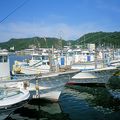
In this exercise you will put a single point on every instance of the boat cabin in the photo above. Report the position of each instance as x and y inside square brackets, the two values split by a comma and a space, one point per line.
[4, 66]
[41, 59]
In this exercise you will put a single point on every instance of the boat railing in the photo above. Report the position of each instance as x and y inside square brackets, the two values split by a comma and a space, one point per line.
[36, 63]
[5, 78]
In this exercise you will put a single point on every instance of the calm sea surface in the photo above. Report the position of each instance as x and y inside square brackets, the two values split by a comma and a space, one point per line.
[75, 103]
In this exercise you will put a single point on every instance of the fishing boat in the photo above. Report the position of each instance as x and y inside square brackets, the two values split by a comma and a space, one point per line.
[39, 63]
[101, 70]
[50, 86]
[15, 91]
[85, 60]
[93, 76]
[115, 63]
[11, 93]
[45, 83]
[12, 97]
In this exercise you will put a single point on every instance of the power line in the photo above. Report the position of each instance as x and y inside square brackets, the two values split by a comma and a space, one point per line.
[14, 11]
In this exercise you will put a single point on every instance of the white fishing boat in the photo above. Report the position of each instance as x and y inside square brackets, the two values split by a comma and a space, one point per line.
[14, 88]
[11, 93]
[85, 60]
[83, 66]
[94, 76]
[98, 71]
[10, 97]
[50, 84]
[115, 63]
[39, 63]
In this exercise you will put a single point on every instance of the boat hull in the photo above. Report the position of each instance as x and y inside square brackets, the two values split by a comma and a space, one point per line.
[94, 76]
[14, 100]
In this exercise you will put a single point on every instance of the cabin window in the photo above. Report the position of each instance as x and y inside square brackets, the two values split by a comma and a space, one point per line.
[45, 58]
[70, 54]
[5, 58]
[44, 63]
[92, 54]
[36, 58]
[1, 58]
[64, 54]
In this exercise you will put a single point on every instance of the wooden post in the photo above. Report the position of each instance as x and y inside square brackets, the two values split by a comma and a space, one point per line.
[37, 89]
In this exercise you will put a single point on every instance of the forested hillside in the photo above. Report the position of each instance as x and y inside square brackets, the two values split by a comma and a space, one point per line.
[25, 43]
[99, 38]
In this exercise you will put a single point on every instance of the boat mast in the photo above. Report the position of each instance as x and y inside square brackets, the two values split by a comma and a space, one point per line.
[95, 57]
[49, 55]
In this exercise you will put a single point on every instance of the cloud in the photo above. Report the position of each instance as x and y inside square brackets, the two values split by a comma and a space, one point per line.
[25, 29]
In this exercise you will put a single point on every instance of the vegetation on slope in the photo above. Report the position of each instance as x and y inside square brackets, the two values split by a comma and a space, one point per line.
[111, 39]
[24, 43]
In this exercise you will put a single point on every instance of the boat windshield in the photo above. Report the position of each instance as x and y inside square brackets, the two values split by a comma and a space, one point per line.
[8, 93]
[45, 58]
[70, 54]
[37, 58]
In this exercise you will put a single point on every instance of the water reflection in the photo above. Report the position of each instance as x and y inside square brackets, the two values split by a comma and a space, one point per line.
[90, 102]
[5, 112]
[76, 103]
[98, 96]
[39, 110]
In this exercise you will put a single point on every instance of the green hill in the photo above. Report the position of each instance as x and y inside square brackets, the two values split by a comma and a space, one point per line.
[24, 43]
[99, 38]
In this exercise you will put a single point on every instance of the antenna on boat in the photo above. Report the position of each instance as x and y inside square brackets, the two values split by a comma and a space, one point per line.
[45, 41]
[84, 42]
[49, 54]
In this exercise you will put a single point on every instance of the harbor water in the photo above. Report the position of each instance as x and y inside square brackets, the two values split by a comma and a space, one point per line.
[75, 103]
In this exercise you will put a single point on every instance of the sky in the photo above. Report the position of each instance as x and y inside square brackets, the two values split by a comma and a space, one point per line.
[69, 19]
